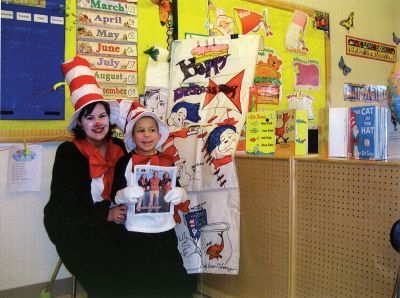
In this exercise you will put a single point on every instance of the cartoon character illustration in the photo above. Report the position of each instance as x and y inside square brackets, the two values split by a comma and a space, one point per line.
[214, 251]
[354, 131]
[275, 63]
[250, 21]
[215, 243]
[185, 173]
[219, 149]
[151, 99]
[184, 114]
[166, 18]
[268, 78]
[218, 22]
[294, 38]
[280, 131]
[221, 142]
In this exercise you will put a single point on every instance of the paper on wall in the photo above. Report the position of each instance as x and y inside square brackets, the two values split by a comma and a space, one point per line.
[25, 168]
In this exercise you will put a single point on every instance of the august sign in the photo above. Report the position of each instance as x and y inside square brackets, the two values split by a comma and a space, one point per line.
[370, 49]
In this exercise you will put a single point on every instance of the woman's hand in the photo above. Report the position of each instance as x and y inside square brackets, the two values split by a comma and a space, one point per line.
[117, 214]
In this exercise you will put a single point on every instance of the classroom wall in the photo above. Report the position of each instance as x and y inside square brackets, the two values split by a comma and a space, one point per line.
[373, 20]
[26, 254]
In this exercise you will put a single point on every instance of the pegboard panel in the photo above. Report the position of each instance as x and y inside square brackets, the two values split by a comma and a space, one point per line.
[264, 233]
[343, 213]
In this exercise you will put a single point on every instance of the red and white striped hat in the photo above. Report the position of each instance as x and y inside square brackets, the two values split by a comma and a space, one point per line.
[352, 120]
[84, 88]
[130, 113]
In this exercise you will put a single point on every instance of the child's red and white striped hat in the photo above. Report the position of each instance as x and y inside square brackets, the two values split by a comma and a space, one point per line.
[131, 112]
[84, 88]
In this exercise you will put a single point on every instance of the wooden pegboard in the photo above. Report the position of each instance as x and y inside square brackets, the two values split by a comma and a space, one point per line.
[343, 213]
[264, 233]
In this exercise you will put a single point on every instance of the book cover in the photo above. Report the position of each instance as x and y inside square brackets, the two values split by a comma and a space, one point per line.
[253, 102]
[260, 133]
[291, 132]
[367, 133]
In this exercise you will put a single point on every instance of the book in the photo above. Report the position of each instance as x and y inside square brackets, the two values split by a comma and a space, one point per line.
[291, 132]
[393, 130]
[252, 107]
[338, 134]
[260, 133]
[367, 133]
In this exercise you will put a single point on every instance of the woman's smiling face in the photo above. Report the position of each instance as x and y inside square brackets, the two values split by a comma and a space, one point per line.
[95, 124]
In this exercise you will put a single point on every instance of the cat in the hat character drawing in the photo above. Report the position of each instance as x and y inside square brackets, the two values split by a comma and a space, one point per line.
[354, 133]
[220, 147]
[184, 114]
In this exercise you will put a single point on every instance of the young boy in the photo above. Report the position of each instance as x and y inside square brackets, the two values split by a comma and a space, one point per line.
[154, 257]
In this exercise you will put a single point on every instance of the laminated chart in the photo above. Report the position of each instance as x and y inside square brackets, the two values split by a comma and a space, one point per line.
[32, 42]
[107, 37]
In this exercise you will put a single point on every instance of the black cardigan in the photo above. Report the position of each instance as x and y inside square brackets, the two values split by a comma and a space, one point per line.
[70, 216]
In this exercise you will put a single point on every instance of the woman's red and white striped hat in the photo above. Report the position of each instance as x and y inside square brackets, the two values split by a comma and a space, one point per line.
[84, 88]
[131, 112]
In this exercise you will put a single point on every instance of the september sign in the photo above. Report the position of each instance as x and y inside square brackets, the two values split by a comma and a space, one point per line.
[370, 49]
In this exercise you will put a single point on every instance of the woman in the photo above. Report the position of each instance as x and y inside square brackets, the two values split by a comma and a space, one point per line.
[79, 217]
[166, 186]
[142, 182]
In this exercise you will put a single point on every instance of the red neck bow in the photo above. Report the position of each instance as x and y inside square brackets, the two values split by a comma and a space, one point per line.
[100, 165]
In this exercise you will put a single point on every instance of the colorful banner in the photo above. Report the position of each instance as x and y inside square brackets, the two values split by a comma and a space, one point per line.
[370, 49]
[207, 104]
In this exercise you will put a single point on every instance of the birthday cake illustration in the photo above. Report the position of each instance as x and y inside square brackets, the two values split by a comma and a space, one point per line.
[208, 52]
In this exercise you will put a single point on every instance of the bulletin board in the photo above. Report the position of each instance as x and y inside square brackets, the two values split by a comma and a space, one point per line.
[151, 31]
[32, 38]
[274, 21]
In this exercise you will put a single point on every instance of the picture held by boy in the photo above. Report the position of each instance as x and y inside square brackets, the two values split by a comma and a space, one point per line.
[159, 270]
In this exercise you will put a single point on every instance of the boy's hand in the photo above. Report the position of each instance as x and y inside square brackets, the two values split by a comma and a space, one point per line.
[176, 196]
[129, 195]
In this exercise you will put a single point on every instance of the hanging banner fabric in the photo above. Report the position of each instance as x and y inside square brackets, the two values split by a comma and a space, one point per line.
[207, 105]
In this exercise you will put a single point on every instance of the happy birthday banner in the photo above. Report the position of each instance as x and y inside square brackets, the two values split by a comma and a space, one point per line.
[208, 101]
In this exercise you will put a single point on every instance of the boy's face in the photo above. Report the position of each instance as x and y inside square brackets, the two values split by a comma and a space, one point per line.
[145, 135]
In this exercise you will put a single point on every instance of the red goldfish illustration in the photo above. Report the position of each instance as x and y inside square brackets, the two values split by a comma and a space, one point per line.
[214, 250]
